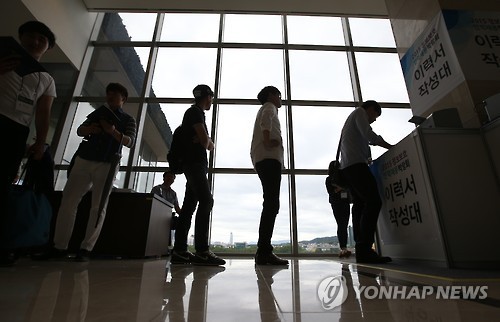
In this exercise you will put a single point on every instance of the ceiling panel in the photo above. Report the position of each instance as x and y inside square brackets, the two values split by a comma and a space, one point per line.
[337, 7]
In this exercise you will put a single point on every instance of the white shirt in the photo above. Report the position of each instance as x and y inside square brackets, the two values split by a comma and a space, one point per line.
[267, 119]
[357, 134]
[30, 87]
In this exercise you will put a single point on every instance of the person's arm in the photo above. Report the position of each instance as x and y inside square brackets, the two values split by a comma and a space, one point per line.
[42, 122]
[384, 144]
[372, 137]
[202, 137]
[88, 128]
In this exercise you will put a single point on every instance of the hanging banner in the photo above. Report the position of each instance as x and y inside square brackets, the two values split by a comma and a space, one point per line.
[475, 35]
[430, 67]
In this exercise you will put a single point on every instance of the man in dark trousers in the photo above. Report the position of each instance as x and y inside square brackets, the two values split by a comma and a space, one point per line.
[355, 153]
[267, 155]
[195, 168]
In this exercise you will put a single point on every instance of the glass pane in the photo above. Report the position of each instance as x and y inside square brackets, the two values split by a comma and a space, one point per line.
[127, 27]
[320, 75]
[234, 135]
[156, 137]
[393, 126]
[179, 70]
[371, 32]
[245, 72]
[381, 77]
[314, 149]
[253, 29]
[236, 213]
[315, 30]
[190, 27]
[315, 216]
[124, 65]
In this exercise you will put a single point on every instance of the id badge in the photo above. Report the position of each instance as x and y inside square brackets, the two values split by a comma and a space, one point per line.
[24, 103]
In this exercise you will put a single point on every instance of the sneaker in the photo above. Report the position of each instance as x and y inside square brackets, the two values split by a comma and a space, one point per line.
[82, 255]
[269, 259]
[207, 258]
[345, 253]
[371, 257]
[50, 253]
[185, 257]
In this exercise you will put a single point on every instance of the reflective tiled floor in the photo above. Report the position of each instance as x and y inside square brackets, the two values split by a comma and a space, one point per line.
[154, 290]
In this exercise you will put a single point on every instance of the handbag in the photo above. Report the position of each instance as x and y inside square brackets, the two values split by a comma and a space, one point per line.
[27, 220]
[334, 171]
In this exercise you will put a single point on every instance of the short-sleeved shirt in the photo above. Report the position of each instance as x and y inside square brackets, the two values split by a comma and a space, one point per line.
[166, 193]
[266, 119]
[29, 87]
[195, 152]
[357, 134]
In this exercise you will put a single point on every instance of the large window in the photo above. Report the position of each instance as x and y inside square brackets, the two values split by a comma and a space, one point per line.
[160, 57]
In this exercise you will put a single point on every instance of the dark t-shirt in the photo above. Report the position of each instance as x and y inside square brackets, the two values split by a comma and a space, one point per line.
[195, 153]
[101, 147]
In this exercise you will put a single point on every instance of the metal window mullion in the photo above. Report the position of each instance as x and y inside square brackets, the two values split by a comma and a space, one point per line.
[71, 112]
[351, 60]
[215, 107]
[141, 114]
[292, 192]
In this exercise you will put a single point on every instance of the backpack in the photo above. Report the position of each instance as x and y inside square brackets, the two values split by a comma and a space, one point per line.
[175, 156]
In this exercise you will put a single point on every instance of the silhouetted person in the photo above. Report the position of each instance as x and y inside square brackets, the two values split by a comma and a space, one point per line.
[357, 135]
[267, 158]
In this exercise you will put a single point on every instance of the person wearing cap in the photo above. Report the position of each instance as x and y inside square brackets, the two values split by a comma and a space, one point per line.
[195, 168]
[355, 156]
[267, 156]
[22, 97]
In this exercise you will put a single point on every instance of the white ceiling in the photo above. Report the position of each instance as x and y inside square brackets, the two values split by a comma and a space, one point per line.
[337, 7]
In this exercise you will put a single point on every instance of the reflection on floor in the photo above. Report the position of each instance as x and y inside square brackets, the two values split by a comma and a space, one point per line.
[308, 290]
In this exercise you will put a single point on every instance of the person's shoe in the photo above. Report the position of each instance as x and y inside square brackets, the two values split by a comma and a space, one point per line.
[371, 257]
[50, 253]
[185, 257]
[207, 258]
[345, 253]
[82, 255]
[269, 259]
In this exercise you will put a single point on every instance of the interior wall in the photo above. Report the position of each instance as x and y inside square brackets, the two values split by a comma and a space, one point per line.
[69, 20]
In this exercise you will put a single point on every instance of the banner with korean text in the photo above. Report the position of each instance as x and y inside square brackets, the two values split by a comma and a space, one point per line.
[407, 225]
[475, 35]
[430, 67]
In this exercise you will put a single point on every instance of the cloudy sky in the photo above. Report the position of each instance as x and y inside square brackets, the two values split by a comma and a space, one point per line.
[314, 75]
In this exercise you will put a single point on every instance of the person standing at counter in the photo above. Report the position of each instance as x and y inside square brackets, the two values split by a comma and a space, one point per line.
[165, 190]
[355, 156]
